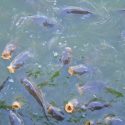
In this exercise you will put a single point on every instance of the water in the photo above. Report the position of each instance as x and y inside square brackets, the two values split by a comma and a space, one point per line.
[97, 41]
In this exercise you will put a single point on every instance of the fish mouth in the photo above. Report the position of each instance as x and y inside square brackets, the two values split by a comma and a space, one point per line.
[11, 69]
[69, 107]
[71, 71]
[16, 105]
[6, 55]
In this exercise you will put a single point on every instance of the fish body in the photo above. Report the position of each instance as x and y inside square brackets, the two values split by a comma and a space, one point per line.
[78, 70]
[44, 21]
[15, 119]
[56, 113]
[96, 105]
[4, 83]
[75, 10]
[40, 20]
[109, 120]
[8, 50]
[66, 56]
[92, 88]
[19, 61]
[36, 93]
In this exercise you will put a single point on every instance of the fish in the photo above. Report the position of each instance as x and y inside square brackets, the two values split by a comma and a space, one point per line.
[83, 88]
[43, 21]
[8, 50]
[56, 113]
[19, 61]
[66, 56]
[89, 122]
[93, 87]
[95, 105]
[15, 119]
[36, 93]
[78, 70]
[113, 120]
[75, 10]
[4, 83]
[71, 106]
[40, 20]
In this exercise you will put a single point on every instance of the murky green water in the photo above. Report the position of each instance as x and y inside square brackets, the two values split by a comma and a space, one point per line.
[97, 41]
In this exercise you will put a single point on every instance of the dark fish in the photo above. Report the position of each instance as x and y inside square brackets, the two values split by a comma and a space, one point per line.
[4, 83]
[36, 93]
[122, 10]
[75, 10]
[15, 119]
[40, 20]
[113, 120]
[56, 113]
[78, 70]
[92, 88]
[19, 61]
[43, 21]
[96, 105]
[8, 50]
[66, 56]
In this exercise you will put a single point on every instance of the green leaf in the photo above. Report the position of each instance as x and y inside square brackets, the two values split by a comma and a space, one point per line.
[44, 84]
[56, 74]
[114, 92]
[3, 105]
[34, 73]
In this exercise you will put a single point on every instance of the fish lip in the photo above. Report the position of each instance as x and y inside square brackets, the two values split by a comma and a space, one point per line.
[6, 55]
[11, 69]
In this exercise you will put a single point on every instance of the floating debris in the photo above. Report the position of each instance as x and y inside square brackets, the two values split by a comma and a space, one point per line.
[16, 105]
[36, 93]
[19, 61]
[66, 56]
[11, 80]
[71, 106]
[75, 10]
[15, 119]
[55, 54]
[78, 70]
[8, 50]
[56, 113]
